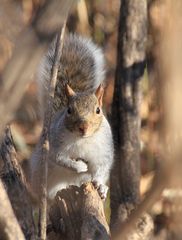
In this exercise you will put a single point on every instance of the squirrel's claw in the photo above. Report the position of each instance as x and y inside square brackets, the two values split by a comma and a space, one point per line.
[101, 188]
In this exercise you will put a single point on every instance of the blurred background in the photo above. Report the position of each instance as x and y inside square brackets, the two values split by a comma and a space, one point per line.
[97, 19]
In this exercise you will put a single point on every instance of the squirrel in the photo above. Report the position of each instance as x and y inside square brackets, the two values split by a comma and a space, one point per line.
[81, 144]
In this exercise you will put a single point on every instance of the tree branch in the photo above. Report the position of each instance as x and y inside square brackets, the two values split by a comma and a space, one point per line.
[16, 186]
[45, 134]
[9, 227]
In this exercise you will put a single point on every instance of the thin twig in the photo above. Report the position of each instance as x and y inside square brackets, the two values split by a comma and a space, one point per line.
[58, 51]
[45, 135]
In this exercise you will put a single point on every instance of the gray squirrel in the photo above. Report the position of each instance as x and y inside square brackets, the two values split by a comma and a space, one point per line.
[81, 144]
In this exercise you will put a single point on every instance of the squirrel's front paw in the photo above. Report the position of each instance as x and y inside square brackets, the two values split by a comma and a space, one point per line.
[101, 188]
[81, 166]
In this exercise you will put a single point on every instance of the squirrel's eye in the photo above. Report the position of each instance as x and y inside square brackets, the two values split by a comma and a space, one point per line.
[98, 110]
[69, 110]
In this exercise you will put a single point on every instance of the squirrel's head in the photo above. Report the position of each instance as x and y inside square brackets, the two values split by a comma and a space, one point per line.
[84, 111]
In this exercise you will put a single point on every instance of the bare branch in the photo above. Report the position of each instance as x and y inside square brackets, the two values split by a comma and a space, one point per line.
[58, 51]
[15, 182]
[45, 136]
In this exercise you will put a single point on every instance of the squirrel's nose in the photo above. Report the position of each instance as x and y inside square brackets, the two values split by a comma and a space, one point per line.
[83, 128]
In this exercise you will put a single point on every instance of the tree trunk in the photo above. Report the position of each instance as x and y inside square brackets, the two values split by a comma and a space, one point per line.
[125, 177]
[77, 213]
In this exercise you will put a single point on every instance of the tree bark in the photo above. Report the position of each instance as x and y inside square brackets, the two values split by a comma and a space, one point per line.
[16, 186]
[9, 227]
[78, 213]
[45, 134]
[125, 177]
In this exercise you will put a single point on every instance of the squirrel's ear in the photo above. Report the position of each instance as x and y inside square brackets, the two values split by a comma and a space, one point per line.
[69, 91]
[99, 94]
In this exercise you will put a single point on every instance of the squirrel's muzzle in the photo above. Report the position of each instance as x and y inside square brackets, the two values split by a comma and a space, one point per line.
[83, 127]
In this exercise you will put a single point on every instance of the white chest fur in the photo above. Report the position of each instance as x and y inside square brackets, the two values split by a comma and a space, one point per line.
[91, 149]
[96, 150]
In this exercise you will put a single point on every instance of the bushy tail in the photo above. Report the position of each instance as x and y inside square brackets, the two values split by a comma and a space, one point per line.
[81, 66]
